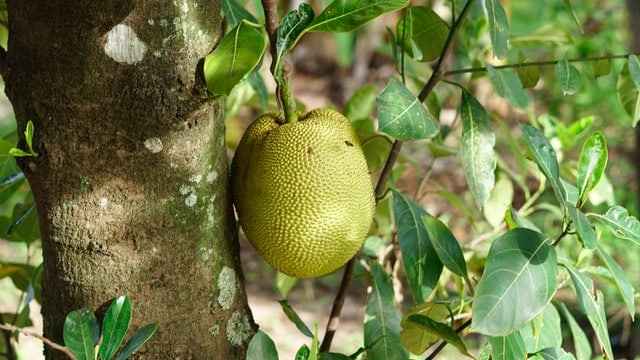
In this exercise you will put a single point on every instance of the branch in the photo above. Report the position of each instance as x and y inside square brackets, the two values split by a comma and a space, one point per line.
[436, 76]
[271, 20]
[48, 342]
[537, 63]
[444, 343]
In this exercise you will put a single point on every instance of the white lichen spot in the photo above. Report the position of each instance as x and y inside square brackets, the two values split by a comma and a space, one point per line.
[226, 287]
[238, 329]
[212, 176]
[191, 200]
[214, 330]
[154, 145]
[151, 22]
[196, 178]
[103, 203]
[124, 46]
[186, 189]
[154, 249]
[157, 53]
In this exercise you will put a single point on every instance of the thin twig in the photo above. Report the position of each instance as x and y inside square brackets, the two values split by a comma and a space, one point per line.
[536, 63]
[443, 343]
[380, 190]
[47, 342]
[271, 20]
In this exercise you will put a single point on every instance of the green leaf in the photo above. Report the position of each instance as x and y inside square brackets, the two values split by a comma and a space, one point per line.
[552, 354]
[513, 220]
[137, 340]
[445, 245]
[634, 70]
[114, 327]
[421, 262]
[573, 14]
[519, 280]
[510, 347]
[28, 136]
[284, 283]
[583, 227]
[290, 29]
[443, 331]
[620, 278]
[402, 116]
[81, 334]
[591, 307]
[568, 77]
[303, 353]
[261, 347]
[238, 53]
[545, 156]
[592, 163]
[382, 322]
[507, 84]
[580, 341]
[601, 68]
[547, 335]
[334, 356]
[529, 76]
[362, 103]
[295, 319]
[478, 155]
[348, 15]
[257, 83]
[413, 337]
[623, 225]
[234, 13]
[375, 149]
[425, 33]
[498, 27]
[629, 95]
[499, 201]
[15, 152]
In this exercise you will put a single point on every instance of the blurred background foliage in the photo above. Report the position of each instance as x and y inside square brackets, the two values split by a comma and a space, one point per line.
[347, 71]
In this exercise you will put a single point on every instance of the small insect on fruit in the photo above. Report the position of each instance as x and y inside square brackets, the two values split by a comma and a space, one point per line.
[303, 192]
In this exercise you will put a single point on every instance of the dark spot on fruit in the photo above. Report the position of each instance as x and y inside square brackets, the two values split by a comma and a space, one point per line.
[309, 151]
[348, 143]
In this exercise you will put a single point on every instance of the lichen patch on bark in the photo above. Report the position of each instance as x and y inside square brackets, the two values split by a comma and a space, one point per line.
[124, 46]
[227, 285]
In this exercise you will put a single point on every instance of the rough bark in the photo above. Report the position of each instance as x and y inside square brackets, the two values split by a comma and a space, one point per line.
[131, 178]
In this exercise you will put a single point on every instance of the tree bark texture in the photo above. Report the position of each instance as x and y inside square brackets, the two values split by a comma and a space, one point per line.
[131, 178]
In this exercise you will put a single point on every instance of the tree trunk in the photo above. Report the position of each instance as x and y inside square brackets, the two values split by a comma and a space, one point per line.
[131, 178]
[633, 10]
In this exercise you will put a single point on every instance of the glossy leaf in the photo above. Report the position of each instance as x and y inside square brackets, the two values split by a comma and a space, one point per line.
[580, 341]
[623, 225]
[425, 33]
[548, 334]
[545, 156]
[507, 84]
[498, 27]
[290, 29]
[421, 262]
[499, 201]
[634, 70]
[583, 227]
[445, 245]
[382, 322]
[295, 318]
[362, 103]
[629, 95]
[303, 353]
[114, 327]
[81, 334]
[592, 163]
[510, 347]
[238, 53]
[137, 341]
[568, 77]
[591, 307]
[348, 15]
[334, 356]
[261, 347]
[519, 280]
[402, 116]
[443, 331]
[620, 278]
[478, 155]
[234, 13]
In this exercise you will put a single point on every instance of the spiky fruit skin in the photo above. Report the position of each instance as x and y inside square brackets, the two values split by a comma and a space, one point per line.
[303, 192]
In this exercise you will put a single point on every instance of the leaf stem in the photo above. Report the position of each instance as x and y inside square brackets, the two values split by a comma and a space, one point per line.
[436, 76]
[51, 344]
[536, 63]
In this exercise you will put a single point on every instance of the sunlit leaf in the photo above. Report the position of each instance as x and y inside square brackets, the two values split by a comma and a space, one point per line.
[443, 331]
[234, 13]
[413, 337]
[545, 156]
[238, 53]
[81, 333]
[114, 327]
[362, 103]
[592, 163]
[348, 15]
[519, 280]
[621, 223]
[402, 115]
[478, 155]
[498, 27]
[499, 201]
[284, 283]
[291, 27]
[137, 341]
[629, 95]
